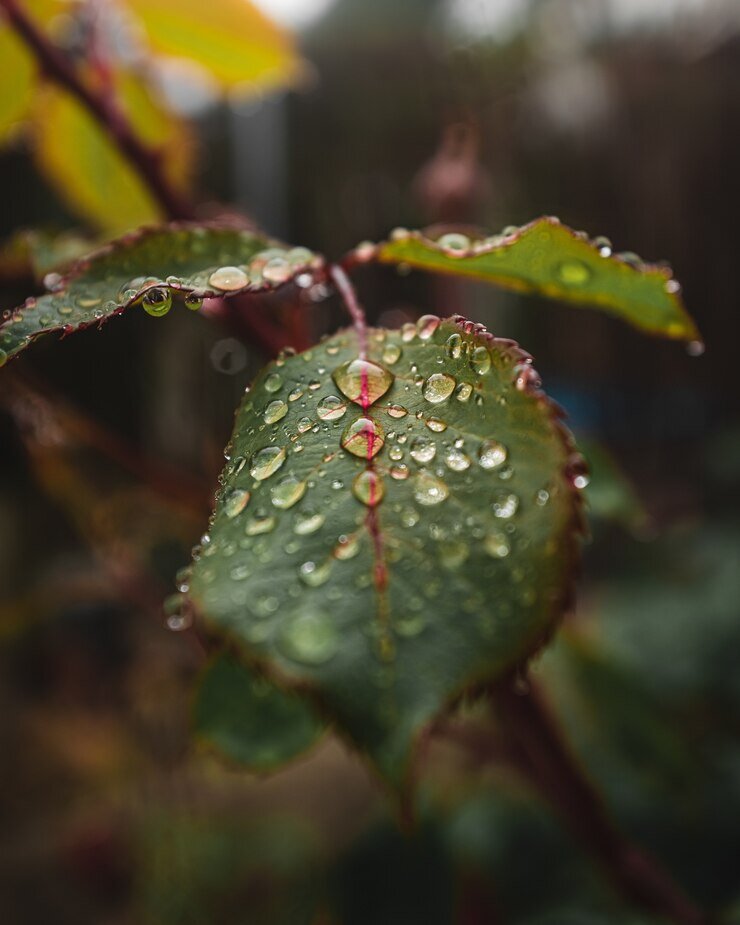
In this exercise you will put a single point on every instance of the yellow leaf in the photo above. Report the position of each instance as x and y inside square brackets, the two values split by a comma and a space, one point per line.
[86, 168]
[232, 39]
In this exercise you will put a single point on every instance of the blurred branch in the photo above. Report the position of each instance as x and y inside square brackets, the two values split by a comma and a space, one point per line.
[57, 67]
[536, 747]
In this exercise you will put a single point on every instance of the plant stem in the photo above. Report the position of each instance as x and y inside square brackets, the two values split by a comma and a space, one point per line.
[56, 66]
[544, 758]
[356, 312]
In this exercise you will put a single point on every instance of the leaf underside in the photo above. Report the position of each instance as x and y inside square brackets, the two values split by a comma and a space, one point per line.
[249, 720]
[177, 260]
[551, 259]
[382, 587]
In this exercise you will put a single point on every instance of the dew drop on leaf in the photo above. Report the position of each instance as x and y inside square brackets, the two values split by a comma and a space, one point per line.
[307, 522]
[497, 545]
[429, 490]
[368, 488]
[480, 360]
[399, 472]
[315, 575]
[331, 408]
[396, 411]
[287, 492]
[491, 454]
[454, 242]
[228, 279]
[347, 547]
[273, 382]
[426, 326]
[259, 523]
[275, 411]
[456, 460]
[363, 438]
[505, 505]
[193, 302]
[463, 391]
[157, 302]
[573, 272]
[438, 388]
[362, 381]
[410, 625]
[423, 449]
[309, 638]
[236, 501]
[267, 461]
[391, 354]
[454, 346]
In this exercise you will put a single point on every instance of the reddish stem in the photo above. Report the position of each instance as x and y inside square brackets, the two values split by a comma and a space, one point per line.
[145, 160]
[541, 754]
[354, 309]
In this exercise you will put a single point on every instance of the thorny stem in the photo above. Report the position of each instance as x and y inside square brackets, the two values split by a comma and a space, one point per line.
[356, 312]
[540, 753]
[56, 66]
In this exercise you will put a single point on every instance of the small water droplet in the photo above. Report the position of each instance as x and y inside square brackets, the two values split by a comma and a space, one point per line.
[396, 411]
[505, 505]
[193, 302]
[228, 279]
[542, 497]
[456, 460]
[426, 326]
[391, 354]
[347, 547]
[463, 391]
[267, 461]
[573, 272]
[409, 626]
[438, 387]
[436, 425]
[399, 472]
[315, 575]
[363, 438]
[452, 553]
[480, 360]
[458, 243]
[296, 393]
[287, 492]
[362, 381]
[491, 454]
[307, 522]
[235, 502]
[368, 488]
[260, 523]
[273, 382]
[157, 302]
[423, 449]
[454, 346]
[580, 481]
[497, 545]
[331, 408]
[429, 490]
[309, 638]
[304, 425]
[275, 411]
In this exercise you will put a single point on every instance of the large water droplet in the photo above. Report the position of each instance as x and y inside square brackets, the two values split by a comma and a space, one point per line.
[480, 360]
[363, 438]
[438, 388]
[368, 488]
[391, 354]
[426, 326]
[423, 449]
[456, 460]
[362, 381]
[260, 523]
[157, 302]
[463, 391]
[277, 270]
[275, 411]
[331, 408]
[267, 461]
[429, 490]
[454, 346]
[287, 492]
[491, 453]
[273, 382]
[228, 279]
[235, 502]
[573, 272]
[309, 638]
[307, 522]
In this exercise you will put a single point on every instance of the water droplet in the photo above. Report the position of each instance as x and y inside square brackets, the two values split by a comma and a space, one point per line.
[331, 408]
[580, 481]
[438, 388]
[315, 575]
[368, 488]
[408, 332]
[304, 425]
[672, 286]
[497, 545]
[267, 461]
[193, 302]
[287, 492]
[573, 272]
[410, 625]
[491, 453]
[228, 279]
[236, 501]
[275, 411]
[423, 449]
[603, 244]
[396, 411]
[429, 490]
[399, 472]
[436, 425]
[362, 382]
[463, 391]
[480, 360]
[696, 348]
[426, 326]
[505, 505]
[542, 497]
[391, 354]
[363, 438]
[395, 453]
[296, 393]
[157, 302]
[458, 243]
[273, 382]
[454, 346]
[456, 460]
[259, 523]
[347, 547]
[309, 638]
[307, 522]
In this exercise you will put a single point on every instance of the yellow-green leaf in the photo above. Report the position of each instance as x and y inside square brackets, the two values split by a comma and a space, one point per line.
[232, 39]
[15, 86]
[555, 261]
[87, 169]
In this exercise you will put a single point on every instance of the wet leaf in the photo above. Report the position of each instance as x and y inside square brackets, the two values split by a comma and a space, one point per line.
[249, 720]
[552, 260]
[232, 39]
[152, 268]
[390, 531]
[86, 167]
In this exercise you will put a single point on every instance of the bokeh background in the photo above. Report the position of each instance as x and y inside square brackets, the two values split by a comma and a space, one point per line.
[622, 117]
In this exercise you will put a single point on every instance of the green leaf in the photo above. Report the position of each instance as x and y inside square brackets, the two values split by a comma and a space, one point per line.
[610, 494]
[384, 587]
[236, 43]
[15, 87]
[249, 720]
[85, 165]
[148, 268]
[552, 260]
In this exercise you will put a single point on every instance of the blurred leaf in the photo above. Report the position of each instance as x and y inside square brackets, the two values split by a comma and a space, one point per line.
[552, 260]
[384, 586]
[610, 494]
[85, 165]
[249, 720]
[232, 39]
[15, 87]
[148, 267]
